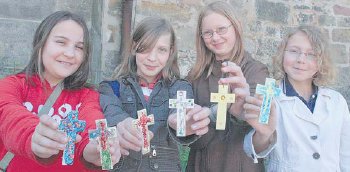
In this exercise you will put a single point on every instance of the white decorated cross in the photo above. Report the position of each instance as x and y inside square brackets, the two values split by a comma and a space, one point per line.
[181, 103]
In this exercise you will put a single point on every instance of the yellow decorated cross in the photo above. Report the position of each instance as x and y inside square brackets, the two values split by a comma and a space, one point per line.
[222, 98]
[269, 90]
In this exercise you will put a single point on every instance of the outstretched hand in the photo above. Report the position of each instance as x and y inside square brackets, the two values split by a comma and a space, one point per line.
[130, 138]
[92, 151]
[47, 140]
[251, 113]
[238, 85]
[197, 120]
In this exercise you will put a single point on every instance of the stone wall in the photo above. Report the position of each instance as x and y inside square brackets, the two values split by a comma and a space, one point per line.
[264, 23]
[20, 18]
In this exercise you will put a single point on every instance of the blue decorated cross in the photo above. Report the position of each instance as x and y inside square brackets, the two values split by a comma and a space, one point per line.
[269, 90]
[181, 103]
[102, 133]
[71, 126]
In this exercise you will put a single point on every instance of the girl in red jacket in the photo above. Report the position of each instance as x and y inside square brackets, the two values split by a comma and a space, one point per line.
[61, 54]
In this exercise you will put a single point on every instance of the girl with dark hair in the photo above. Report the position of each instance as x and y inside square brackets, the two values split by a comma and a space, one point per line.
[61, 56]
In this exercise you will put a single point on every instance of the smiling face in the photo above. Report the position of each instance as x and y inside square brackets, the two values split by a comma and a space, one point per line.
[299, 69]
[220, 44]
[152, 61]
[63, 51]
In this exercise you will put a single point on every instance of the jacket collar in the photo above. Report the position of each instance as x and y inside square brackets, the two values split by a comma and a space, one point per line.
[322, 107]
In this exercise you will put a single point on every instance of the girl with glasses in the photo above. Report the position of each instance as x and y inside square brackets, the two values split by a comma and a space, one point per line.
[310, 121]
[220, 52]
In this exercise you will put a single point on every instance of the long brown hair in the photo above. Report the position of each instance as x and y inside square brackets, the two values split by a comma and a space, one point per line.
[326, 70]
[145, 36]
[205, 57]
[79, 78]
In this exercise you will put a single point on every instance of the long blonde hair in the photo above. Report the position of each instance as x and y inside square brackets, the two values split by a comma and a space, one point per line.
[145, 36]
[205, 57]
[326, 70]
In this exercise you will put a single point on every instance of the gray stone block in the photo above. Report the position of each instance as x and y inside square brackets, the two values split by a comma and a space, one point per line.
[115, 8]
[341, 35]
[16, 42]
[318, 9]
[301, 7]
[305, 18]
[271, 31]
[343, 83]
[29, 9]
[112, 60]
[267, 47]
[325, 20]
[343, 22]
[338, 53]
[275, 12]
[345, 92]
[343, 77]
[81, 7]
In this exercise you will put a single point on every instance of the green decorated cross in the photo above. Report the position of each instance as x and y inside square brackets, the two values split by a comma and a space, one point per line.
[269, 90]
[102, 133]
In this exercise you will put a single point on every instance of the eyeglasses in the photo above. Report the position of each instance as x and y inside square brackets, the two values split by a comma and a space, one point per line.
[297, 54]
[220, 31]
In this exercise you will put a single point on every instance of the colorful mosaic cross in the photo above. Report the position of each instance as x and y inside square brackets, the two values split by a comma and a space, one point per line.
[269, 90]
[102, 133]
[71, 126]
[181, 103]
[222, 98]
[142, 123]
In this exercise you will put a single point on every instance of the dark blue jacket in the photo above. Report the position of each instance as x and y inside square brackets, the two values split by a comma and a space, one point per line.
[131, 99]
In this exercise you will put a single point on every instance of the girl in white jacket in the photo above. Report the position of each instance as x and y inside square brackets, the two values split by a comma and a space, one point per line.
[309, 123]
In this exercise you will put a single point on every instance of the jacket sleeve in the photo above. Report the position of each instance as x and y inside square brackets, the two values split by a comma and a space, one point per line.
[89, 111]
[250, 150]
[345, 137]
[111, 105]
[185, 86]
[249, 147]
[255, 73]
[17, 124]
